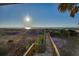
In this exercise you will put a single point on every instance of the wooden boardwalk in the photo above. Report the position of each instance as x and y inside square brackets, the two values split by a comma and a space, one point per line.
[51, 48]
[48, 50]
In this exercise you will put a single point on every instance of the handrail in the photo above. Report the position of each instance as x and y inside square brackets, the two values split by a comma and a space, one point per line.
[54, 46]
[30, 50]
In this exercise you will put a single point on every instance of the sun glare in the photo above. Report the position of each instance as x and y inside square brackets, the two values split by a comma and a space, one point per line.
[27, 28]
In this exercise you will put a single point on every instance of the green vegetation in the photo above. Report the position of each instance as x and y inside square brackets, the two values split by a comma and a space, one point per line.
[40, 40]
[58, 33]
[40, 44]
[64, 33]
[73, 33]
[2, 34]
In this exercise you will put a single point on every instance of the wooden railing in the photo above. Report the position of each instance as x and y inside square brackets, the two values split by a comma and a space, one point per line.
[55, 50]
[54, 47]
[30, 51]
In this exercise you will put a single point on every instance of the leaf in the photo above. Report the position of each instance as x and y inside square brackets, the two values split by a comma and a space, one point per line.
[63, 7]
[74, 11]
[70, 6]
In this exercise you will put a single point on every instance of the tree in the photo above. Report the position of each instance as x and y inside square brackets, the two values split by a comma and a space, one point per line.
[73, 8]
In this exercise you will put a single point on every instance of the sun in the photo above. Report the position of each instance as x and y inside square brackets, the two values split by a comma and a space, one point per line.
[27, 22]
[27, 19]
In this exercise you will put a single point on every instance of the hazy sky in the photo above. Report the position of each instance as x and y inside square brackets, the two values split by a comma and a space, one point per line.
[43, 15]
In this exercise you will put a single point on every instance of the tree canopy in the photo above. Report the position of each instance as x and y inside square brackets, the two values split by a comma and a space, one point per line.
[73, 8]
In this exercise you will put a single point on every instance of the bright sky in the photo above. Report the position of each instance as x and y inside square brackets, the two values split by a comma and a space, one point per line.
[42, 15]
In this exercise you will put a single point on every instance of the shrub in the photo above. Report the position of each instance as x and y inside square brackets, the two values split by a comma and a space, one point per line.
[39, 44]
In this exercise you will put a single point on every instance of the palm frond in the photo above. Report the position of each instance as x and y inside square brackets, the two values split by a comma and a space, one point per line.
[70, 6]
[74, 11]
[63, 7]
